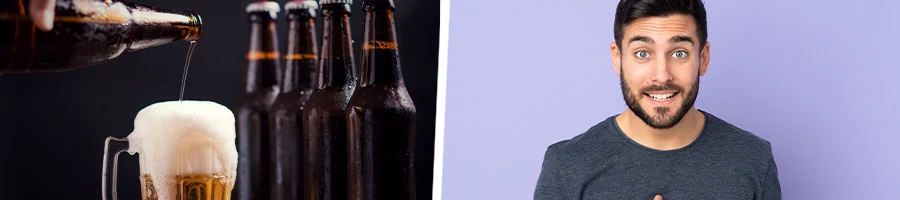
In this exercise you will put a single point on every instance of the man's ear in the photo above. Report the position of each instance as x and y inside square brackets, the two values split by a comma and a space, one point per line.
[704, 59]
[616, 58]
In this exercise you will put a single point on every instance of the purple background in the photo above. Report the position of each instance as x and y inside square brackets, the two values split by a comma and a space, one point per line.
[820, 80]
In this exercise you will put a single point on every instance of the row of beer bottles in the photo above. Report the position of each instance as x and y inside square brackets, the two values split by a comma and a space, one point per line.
[317, 129]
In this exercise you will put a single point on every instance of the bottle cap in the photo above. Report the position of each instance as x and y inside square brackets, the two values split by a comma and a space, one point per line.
[381, 4]
[263, 6]
[322, 2]
[301, 4]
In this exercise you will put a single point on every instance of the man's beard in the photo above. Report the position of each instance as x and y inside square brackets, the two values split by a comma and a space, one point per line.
[664, 118]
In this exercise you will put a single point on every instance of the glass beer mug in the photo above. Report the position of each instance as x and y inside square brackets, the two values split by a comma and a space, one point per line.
[187, 151]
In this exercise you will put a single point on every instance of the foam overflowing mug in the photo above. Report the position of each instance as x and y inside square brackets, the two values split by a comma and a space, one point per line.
[187, 151]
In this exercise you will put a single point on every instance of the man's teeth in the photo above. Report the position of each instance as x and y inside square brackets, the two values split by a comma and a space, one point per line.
[662, 96]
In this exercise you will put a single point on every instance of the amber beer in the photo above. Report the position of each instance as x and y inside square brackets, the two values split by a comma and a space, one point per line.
[381, 116]
[262, 77]
[87, 32]
[192, 187]
[297, 84]
[324, 117]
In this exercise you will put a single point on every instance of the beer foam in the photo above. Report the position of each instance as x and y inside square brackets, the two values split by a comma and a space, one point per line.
[183, 138]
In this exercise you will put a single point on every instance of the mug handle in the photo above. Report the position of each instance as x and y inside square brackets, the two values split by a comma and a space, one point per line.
[111, 150]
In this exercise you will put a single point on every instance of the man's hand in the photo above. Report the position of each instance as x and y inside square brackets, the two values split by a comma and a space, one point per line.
[42, 13]
[658, 197]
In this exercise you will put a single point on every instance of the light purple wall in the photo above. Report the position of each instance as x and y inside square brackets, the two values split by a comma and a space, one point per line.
[818, 79]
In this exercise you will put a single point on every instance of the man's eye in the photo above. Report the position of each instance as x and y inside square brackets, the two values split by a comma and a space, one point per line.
[642, 54]
[679, 54]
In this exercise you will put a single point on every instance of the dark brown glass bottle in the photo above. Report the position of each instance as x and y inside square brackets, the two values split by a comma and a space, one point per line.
[381, 116]
[87, 32]
[297, 84]
[324, 115]
[263, 74]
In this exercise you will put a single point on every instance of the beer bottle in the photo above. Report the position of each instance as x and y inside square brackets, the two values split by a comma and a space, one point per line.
[381, 116]
[87, 32]
[262, 78]
[297, 84]
[324, 115]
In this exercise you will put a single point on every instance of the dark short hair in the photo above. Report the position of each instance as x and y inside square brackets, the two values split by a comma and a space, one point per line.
[630, 10]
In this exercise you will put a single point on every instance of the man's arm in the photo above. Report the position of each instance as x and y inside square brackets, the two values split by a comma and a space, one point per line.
[770, 187]
[549, 184]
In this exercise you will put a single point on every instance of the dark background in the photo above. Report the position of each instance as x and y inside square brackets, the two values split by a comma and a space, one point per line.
[52, 126]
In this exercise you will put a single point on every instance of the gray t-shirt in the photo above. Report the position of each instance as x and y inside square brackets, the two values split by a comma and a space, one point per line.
[724, 162]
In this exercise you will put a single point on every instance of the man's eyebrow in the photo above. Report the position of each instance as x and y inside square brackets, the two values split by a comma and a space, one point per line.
[640, 38]
[681, 38]
[673, 40]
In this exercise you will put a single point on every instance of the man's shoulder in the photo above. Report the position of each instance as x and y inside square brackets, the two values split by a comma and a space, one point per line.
[732, 136]
[565, 161]
[595, 139]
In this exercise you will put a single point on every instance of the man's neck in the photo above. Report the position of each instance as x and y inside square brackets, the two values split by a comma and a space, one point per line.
[679, 136]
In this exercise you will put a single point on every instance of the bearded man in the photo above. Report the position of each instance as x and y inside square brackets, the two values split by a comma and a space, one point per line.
[661, 146]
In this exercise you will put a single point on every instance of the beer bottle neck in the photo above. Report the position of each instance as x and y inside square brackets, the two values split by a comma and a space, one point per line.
[380, 57]
[336, 68]
[263, 57]
[300, 61]
[156, 27]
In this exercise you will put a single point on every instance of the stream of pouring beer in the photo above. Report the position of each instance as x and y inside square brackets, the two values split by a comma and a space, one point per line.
[187, 63]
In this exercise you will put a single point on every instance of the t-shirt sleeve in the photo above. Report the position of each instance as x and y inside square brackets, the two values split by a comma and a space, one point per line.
[549, 184]
[770, 187]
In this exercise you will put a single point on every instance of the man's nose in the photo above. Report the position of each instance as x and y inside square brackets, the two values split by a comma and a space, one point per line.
[661, 72]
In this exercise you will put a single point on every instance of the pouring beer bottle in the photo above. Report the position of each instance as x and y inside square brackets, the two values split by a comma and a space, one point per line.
[324, 117]
[297, 84]
[87, 32]
[381, 116]
[261, 83]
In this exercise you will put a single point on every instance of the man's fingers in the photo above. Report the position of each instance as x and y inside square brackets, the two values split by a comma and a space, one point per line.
[42, 13]
[658, 197]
